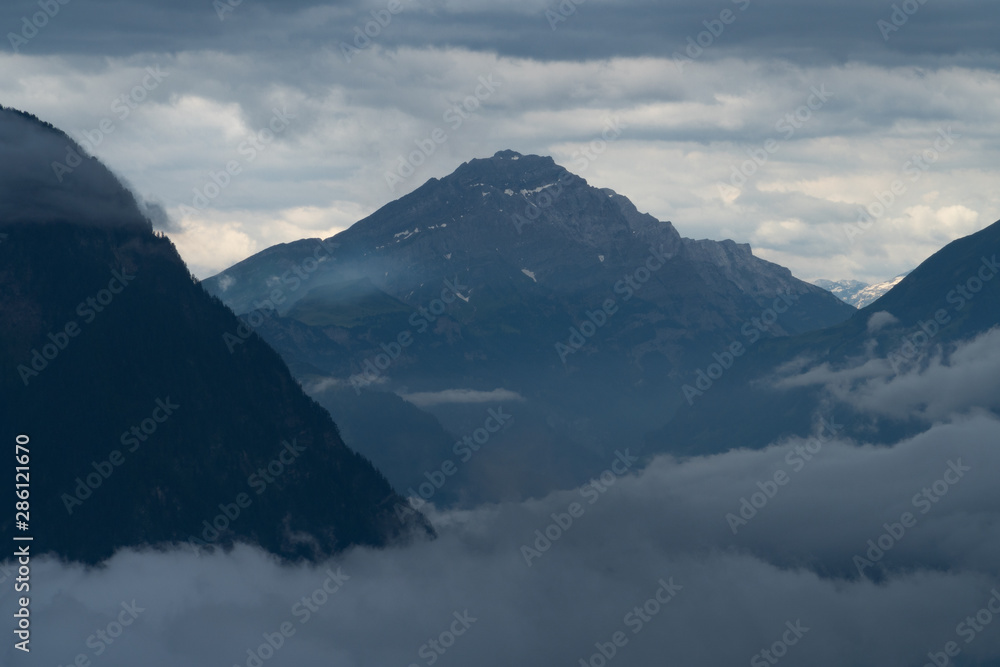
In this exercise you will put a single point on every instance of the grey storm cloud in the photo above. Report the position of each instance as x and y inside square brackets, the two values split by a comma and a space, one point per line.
[834, 552]
[693, 131]
[538, 29]
[46, 177]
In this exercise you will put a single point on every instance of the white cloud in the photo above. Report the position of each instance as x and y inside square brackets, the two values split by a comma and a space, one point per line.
[204, 243]
[926, 380]
[881, 319]
[428, 398]
[968, 377]
[688, 130]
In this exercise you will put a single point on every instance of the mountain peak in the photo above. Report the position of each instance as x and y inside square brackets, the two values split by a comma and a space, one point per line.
[509, 170]
[510, 218]
[508, 155]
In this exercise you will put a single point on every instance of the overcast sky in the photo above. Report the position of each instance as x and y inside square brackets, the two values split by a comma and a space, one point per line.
[924, 83]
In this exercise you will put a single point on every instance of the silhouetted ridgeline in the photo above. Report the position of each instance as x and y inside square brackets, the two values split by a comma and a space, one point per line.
[143, 425]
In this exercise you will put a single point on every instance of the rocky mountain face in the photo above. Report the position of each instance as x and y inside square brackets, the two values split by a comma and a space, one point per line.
[845, 290]
[513, 277]
[950, 298]
[509, 215]
[143, 428]
[857, 293]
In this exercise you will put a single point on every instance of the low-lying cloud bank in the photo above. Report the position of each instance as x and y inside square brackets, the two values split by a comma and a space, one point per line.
[925, 381]
[826, 551]
[448, 396]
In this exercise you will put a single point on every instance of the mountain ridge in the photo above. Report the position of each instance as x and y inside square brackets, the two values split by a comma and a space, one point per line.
[113, 363]
[933, 297]
[857, 293]
[589, 310]
[610, 221]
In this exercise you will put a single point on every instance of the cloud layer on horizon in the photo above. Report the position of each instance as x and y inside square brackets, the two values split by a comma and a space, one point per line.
[754, 540]
[690, 126]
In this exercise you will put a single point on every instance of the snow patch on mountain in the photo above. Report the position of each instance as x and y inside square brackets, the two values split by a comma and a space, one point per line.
[857, 293]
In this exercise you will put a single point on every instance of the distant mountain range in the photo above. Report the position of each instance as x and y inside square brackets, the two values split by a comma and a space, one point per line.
[495, 334]
[778, 390]
[143, 428]
[510, 283]
[857, 293]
